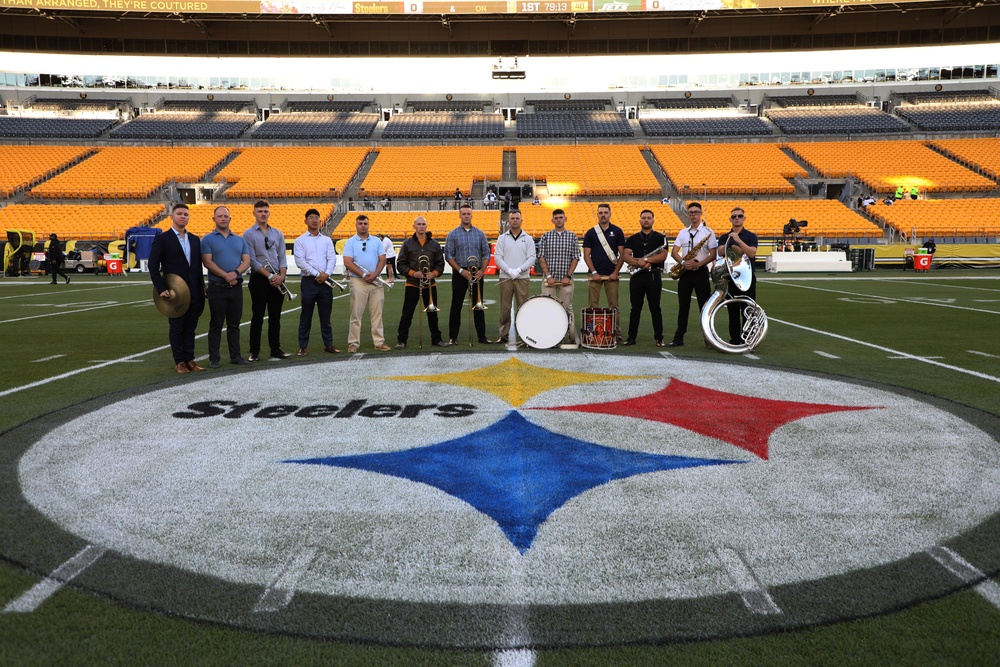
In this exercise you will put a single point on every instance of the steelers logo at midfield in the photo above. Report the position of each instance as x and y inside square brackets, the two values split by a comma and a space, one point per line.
[498, 500]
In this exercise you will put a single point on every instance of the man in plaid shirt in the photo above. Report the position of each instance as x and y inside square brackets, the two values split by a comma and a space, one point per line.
[558, 255]
[461, 244]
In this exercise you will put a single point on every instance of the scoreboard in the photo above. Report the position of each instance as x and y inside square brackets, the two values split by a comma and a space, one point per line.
[431, 7]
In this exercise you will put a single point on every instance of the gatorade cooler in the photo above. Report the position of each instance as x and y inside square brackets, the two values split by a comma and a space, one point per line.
[114, 267]
[922, 262]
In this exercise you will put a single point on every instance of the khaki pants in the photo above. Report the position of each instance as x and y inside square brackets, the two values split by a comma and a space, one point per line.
[565, 295]
[509, 290]
[365, 295]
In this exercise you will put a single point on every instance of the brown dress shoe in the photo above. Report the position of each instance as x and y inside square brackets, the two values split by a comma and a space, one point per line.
[194, 367]
[302, 352]
[183, 368]
[331, 349]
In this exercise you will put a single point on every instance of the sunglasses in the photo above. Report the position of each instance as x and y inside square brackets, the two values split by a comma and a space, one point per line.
[267, 243]
[736, 216]
[364, 246]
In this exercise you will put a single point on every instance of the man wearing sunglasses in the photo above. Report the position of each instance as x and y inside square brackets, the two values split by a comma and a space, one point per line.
[364, 260]
[745, 242]
[268, 265]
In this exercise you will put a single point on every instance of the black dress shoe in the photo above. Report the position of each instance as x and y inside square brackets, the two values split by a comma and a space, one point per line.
[675, 343]
[213, 363]
[442, 343]
[628, 341]
[280, 354]
[252, 358]
[239, 361]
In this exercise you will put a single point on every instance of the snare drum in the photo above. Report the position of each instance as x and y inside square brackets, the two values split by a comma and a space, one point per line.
[599, 326]
[542, 322]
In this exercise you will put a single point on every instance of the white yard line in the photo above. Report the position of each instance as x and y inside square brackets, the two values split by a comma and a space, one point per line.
[70, 312]
[280, 592]
[927, 282]
[965, 571]
[984, 354]
[889, 350]
[54, 356]
[755, 595]
[514, 658]
[120, 360]
[47, 587]
[921, 302]
[825, 354]
[75, 292]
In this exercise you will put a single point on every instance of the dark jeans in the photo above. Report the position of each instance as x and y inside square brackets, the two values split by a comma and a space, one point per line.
[225, 305]
[315, 295]
[181, 333]
[645, 285]
[263, 298]
[55, 268]
[459, 291]
[736, 310]
[411, 297]
[696, 282]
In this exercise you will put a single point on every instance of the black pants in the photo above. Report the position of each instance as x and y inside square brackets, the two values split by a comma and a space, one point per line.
[181, 333]
[225, 306]
[411, 297]
[55, 268]
[265, 298]
[645, 286]
[696, 282]
[314, 295]
[736, 311]
[459, 291]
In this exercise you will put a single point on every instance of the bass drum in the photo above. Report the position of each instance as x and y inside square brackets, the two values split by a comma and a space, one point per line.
[542, 322]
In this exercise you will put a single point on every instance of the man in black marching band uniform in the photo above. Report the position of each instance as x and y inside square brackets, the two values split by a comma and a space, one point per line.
[420, 261]
[645, 253]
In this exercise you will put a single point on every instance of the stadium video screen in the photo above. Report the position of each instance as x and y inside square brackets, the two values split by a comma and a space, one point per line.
[434, 7]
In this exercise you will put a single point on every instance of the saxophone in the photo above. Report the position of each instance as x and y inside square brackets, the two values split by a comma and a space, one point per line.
[677, 269]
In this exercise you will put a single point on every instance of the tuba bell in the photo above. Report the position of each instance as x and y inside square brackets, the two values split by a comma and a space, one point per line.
[736, 267]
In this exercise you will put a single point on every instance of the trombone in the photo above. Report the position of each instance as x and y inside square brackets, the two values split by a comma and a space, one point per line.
[283, 288]
[475, 290]
[424, 266]
[424, 283]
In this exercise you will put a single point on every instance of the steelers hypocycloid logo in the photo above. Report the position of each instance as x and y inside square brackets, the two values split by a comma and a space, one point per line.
[497, 501]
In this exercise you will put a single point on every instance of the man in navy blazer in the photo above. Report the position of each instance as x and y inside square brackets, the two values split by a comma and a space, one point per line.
[179, 252]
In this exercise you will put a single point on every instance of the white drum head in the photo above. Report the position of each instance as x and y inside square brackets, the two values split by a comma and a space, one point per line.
[542, 322]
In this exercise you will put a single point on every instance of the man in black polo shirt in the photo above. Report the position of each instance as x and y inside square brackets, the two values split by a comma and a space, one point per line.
[602, 253]
[645, 252]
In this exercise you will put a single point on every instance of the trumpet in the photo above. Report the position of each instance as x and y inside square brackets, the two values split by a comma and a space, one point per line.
[424, 266]
[283, 288]
[333, 283]
[378, 282]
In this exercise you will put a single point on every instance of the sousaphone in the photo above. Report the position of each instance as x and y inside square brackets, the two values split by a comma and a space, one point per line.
[736, 267]
[179, 300]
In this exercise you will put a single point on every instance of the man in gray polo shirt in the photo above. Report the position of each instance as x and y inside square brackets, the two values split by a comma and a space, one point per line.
[225, 256]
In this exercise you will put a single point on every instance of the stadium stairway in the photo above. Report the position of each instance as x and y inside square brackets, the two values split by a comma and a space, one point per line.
[509, 169]
[661, 176]
[222, 165]
[341, 212]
